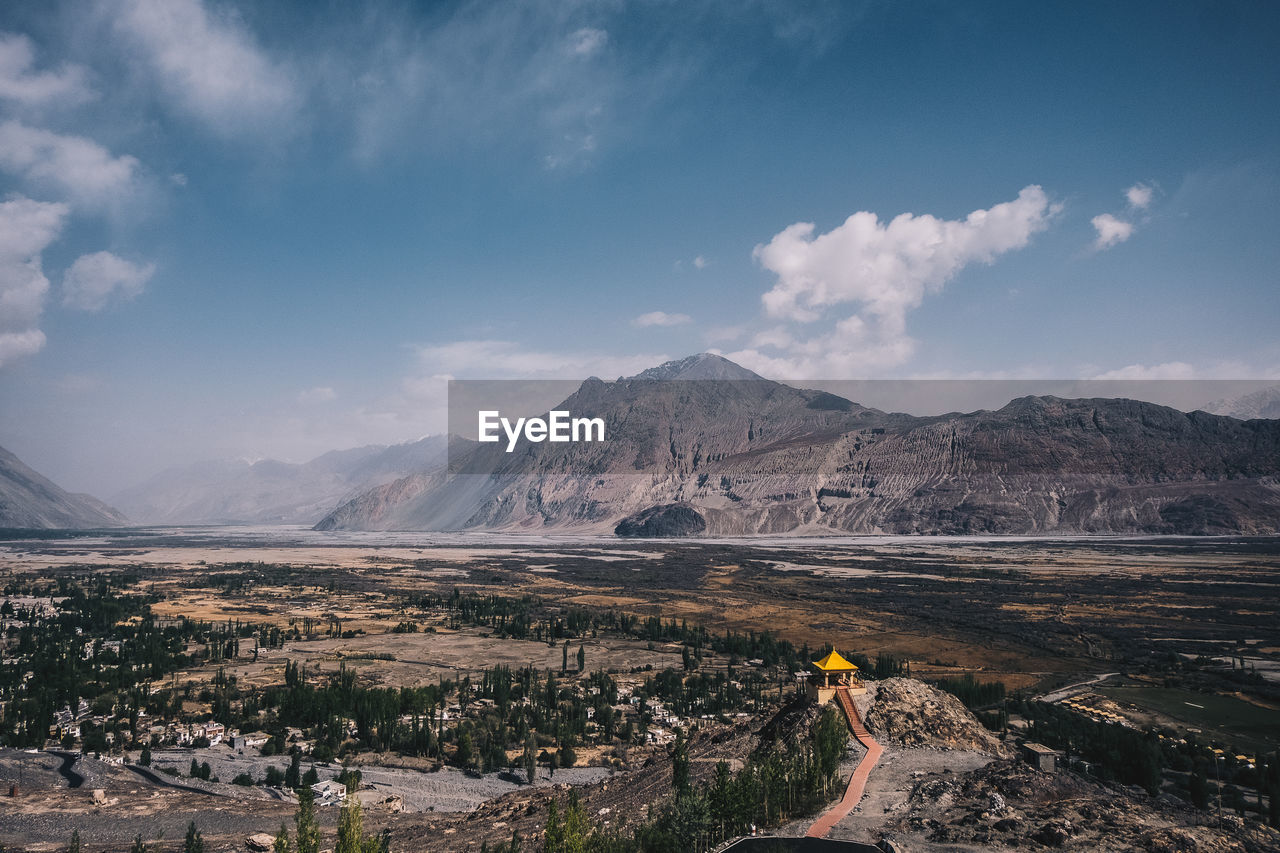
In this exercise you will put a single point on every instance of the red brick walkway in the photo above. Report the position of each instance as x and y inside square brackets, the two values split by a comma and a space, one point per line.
[858, 781]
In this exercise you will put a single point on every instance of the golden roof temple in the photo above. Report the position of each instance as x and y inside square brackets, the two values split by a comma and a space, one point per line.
[831, 673]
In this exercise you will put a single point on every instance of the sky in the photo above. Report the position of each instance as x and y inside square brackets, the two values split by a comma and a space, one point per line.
[233, 229]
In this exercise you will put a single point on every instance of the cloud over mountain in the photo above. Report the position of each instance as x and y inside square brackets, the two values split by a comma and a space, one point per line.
[885, 270]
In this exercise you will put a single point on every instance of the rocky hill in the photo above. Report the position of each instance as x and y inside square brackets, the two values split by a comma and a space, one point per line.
[945, 782]
[750, 456]
[1008, 805]
[906, 712]
[30, 500]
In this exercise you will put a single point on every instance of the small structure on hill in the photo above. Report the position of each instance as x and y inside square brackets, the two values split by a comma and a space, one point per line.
[831, 673]
[329, 792]
[1040, 756]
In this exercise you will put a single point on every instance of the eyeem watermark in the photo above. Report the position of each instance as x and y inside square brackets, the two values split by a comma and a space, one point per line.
[558, 426]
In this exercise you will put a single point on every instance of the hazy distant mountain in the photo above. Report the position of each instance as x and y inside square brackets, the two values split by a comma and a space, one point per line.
[1259, 404]
[752, 456]
[28, 499]
[273, 492]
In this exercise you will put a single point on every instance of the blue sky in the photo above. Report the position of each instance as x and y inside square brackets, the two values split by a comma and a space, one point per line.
[234, 229]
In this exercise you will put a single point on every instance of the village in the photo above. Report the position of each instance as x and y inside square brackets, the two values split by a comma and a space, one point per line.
[453, 697]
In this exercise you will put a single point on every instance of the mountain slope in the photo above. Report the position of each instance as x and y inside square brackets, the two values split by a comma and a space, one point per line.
[750, 456]
[30, 500]
[1259, 404]
[273, 492]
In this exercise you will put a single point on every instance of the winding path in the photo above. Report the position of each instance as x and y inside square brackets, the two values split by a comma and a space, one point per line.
[858, 781]
[74, 779]
[1063, 692]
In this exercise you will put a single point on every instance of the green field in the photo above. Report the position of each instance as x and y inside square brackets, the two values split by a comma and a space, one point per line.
[1223, 718]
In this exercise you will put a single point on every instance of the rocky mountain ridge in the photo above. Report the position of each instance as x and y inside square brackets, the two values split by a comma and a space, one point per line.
[750, 456]
[28, 499]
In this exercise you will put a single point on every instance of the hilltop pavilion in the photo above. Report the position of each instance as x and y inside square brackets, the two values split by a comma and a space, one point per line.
[833, 672]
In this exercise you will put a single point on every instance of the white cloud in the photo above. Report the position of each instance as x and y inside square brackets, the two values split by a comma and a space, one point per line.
[94, 279]
[661, 318]
[1139, 196]
[27, 228]
[885, 270]
[208, 63]
[1218, 369]
[494, 359]
[524, 75]
[80, 168]
[777, 337]
[1110, 231]
[16, 345]
[700, 262]
[19, 81]
[588, 41]
[321, 394]
[1167, 370]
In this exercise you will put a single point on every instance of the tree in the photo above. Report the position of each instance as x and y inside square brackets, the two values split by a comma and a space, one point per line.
[573, 833]
[463, 753]
[552, 833]
[531, 758]
[351, 837]
[138, 846]
[830, 737]
[281, 844]
[307, 831]
[75, 842]
[1199, 787]
[311, 777]
[194, 842]
[582, 658]
[293, 776]
[145, 758]
[564, 658]
[350, 828]
[680, 765]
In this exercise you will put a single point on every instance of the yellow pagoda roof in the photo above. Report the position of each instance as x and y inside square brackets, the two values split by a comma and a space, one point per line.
[834, 662]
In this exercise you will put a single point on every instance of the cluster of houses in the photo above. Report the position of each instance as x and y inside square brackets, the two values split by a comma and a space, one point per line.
[1097, 708]
[68, 721]
[15, 610]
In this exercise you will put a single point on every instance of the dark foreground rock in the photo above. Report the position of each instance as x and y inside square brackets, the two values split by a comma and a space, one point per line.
[666, 521]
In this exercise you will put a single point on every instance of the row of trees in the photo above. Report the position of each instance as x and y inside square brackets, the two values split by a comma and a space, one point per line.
[973, 693]
[779, 783]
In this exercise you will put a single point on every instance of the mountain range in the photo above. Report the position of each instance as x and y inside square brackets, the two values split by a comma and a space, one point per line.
[703, 446]
[1260, 404]
[719, 449]
[270, 491]
[31, 500]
